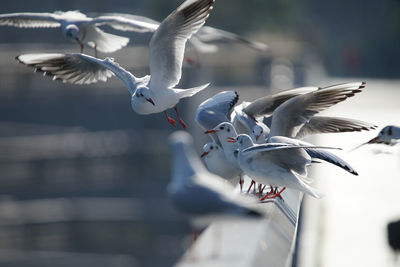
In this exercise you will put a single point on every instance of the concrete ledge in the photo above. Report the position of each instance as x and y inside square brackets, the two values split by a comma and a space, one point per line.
[250, 242]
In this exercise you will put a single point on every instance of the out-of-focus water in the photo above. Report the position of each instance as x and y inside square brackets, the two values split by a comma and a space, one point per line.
[349, 226]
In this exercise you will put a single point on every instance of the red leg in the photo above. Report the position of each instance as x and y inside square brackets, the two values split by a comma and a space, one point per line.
[278, 194]
[179, 117]
[170, 120]
[251, 185]
[271, 191]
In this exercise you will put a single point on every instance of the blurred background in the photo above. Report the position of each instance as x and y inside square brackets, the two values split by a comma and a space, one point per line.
[83, 178]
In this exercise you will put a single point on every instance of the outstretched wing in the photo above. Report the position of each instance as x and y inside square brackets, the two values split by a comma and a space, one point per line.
[210, 34]
[167, 46]
[324, 124]
[289, 117]
[216, 109]
[126, 22]
[30, 20]
[267, 104]
[69, 68]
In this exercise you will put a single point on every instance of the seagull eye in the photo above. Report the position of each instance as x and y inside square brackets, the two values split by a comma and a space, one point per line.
[221, 128]
[211, 148]
[382, 132]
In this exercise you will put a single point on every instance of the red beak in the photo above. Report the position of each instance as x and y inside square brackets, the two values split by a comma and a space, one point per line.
[231, 140]
[373, 140]
[210, 131]
[151, 101]
[257, 136]
[203, 154]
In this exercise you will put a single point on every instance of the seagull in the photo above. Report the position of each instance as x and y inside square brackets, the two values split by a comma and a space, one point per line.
[389, 135]
[202, 41]
[275, 164]
[83, 29]
[289, 117]
[216, 162]
[153, 93]
[75, 26]
[199, 193]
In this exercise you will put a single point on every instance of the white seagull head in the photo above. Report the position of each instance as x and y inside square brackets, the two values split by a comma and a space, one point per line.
[71, 32]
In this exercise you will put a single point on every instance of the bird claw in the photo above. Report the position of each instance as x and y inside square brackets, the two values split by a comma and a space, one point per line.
[172, 121]
[181, 122]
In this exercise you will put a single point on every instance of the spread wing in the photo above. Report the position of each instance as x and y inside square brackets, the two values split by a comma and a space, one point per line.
[216, 109]
[126, 22]
[69, 68]
[30, 20]
[211, 34]
[323, 124]
[167, 46]
[289, 117]
[267, 104]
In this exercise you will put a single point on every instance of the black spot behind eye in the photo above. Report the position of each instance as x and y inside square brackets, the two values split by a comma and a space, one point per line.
[390, 131]
[228, 130]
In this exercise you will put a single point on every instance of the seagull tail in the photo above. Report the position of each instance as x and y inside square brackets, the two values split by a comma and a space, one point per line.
[311, 191]
[107, 42]
[191, 91]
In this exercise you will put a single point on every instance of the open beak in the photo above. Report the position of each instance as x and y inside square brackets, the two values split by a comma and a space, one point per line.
[231, 140]
[203, 154]
[210, 131]
[151, 101]
[373, 140]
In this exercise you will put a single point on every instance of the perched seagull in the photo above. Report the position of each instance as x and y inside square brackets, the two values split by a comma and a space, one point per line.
[209, 114]
[389, 135]
[289, 117]
[75, 26]
[152, 93]
[199, 193]
[275, 164]
[226, 131]
[217, 163]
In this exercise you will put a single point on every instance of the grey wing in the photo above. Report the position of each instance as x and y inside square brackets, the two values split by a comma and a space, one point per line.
[331, 158]
[267, 104]
[211, 34]
[70, 68]
[289, 117]
[324, 124]
[30, 20]
[216, 109]
[167, 46]
[125, 22]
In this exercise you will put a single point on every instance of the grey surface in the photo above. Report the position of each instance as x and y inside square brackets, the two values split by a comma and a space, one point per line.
[268, 242]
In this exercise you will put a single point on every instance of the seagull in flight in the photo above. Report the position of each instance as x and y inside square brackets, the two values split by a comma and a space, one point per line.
[85, 30]
[389, 135]
[75, 26]
[153, 93]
